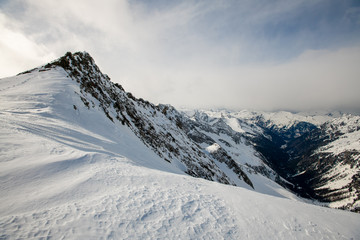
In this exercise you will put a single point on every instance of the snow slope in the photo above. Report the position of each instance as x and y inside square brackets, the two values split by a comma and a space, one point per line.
[348, 127]
[341, 181]
[67, 171]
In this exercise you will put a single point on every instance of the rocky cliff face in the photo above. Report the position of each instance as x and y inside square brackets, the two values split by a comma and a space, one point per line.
[161, 128]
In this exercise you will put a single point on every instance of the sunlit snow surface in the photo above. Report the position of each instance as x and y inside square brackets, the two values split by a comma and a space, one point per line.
[66, 171]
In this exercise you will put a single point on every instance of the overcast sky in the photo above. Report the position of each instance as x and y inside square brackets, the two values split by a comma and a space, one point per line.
[254, 54]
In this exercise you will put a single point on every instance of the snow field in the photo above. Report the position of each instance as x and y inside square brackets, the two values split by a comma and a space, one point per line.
[121, 201]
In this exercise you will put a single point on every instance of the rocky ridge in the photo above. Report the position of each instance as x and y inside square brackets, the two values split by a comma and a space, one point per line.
[161, 127]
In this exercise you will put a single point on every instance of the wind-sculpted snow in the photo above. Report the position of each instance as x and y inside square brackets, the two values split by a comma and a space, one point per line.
[127, 202]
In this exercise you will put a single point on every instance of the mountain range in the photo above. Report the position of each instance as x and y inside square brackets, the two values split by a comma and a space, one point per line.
[317, 154]
[83, 158]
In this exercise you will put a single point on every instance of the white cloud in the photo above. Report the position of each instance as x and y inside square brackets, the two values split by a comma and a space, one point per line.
[315, 80]
[200, 54]
[18, 52]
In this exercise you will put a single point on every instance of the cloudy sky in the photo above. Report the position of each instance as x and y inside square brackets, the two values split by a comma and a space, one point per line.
[254, 54]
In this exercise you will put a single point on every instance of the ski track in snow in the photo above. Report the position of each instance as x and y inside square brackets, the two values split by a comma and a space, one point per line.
[64, 179]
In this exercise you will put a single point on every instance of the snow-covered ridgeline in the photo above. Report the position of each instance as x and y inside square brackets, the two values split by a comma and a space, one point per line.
[68, 171]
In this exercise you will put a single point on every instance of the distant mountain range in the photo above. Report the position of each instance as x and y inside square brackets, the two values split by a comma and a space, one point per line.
[316, 153]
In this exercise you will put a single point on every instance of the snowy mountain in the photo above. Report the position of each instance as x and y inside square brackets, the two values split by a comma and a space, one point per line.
[159, 127]
[82, 159]
[226, 137]
[328, 162]
[315, 154]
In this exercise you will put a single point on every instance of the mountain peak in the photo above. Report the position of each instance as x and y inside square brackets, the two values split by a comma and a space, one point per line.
[77, 64]
[160, 127]
[74, 59]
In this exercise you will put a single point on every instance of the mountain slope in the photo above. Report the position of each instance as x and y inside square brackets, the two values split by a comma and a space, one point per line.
[330, 165]
[318, 153]
[161, 128]
[143, 118]
[225, 137]
[68, 171]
